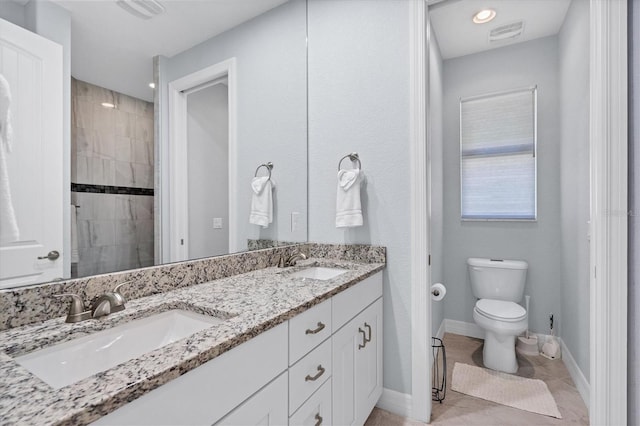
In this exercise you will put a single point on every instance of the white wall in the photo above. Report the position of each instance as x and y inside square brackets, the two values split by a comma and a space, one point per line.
[525, 64]
[208, 170]
[574, 180]
[270, 52]
[435, 168]
[633, 396]
[359, 101]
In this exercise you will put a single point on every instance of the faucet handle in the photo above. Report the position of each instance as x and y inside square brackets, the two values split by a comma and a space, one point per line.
[77, 310]
[119, 295]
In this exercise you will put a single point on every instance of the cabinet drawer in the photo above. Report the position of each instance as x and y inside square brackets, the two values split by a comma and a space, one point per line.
[308, 374]
[308, 330]
[317, 410]
[352, 301]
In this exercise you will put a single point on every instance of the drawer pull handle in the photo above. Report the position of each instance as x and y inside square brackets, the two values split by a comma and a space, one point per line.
[317, 376]
[320, 327]
[368, 339]
[364, 339]
[319, 419]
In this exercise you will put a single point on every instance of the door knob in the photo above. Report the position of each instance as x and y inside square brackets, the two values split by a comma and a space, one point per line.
[52, 255]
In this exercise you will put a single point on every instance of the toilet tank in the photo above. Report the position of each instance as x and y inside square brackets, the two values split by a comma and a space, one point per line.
[498, 279]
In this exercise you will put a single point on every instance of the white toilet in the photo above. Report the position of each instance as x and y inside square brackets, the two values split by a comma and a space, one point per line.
[499, 284]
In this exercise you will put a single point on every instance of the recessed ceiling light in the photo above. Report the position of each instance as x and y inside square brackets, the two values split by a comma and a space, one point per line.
[484, 16]
[108, 105]
[152, 85]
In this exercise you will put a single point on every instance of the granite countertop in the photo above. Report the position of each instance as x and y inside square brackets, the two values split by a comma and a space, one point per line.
[250, 303]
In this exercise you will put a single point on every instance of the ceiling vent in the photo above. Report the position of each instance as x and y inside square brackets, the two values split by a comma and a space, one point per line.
[506, 32]
[143, 9]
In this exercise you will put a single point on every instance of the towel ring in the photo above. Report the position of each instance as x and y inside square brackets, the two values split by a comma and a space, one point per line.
[269, 167]
[353, 157]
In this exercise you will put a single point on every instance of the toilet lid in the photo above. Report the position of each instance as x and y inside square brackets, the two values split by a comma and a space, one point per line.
[500, 310]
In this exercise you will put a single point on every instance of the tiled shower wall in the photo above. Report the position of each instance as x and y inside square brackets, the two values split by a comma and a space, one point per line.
[112, 179]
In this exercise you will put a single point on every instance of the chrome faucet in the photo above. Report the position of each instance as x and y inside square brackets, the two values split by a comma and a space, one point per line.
[108, 303]
[291, 260]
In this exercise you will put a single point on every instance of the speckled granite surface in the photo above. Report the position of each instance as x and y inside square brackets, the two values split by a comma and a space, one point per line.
[30, 305]
[252, 302]
[263, 244]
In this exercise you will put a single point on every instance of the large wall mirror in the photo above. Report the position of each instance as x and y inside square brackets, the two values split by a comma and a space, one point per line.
[210, 161]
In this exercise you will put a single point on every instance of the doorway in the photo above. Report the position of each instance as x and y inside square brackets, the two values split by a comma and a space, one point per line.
[212, 84]
[208, 169]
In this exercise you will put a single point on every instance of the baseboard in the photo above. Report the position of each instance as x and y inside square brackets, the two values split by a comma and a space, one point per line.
[581, 382]
[395, 402]
[472, 330]
[463, 328]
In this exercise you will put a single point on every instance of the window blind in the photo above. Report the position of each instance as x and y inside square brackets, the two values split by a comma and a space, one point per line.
[497, 156]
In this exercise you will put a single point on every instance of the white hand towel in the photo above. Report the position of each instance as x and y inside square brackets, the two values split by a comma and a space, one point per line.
[348, 206]
[261, 201]
[75, 257]
[8, 224]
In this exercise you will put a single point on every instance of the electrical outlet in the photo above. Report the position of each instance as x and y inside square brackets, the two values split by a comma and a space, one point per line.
[295, 218]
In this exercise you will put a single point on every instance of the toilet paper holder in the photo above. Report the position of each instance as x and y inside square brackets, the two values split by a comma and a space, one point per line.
[438, 291]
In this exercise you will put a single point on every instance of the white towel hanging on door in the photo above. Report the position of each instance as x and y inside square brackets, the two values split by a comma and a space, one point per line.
[8, 224]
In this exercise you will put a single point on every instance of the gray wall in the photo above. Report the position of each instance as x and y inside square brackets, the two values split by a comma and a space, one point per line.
[436, 171]
[270, 52]
[633, 397]
[525, 64]
[359, 101]
[12, 12]
[54, 23]
[574, 180]
[208, 175]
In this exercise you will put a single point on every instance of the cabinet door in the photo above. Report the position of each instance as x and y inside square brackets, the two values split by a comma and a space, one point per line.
[267, 407]
[357, 367]
[345, 344]
[369, 362]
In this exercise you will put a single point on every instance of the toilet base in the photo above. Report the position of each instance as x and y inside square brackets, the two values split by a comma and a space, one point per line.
[499, 352]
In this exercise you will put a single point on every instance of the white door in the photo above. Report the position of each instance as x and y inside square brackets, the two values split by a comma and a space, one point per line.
[32, 66]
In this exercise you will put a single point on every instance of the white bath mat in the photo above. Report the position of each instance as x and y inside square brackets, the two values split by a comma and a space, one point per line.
[506, 389]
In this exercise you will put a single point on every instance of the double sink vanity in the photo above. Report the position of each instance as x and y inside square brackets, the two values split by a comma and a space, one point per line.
[259, 345]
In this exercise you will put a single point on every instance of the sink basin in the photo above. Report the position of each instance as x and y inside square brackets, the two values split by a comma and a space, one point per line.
[319, 273]
[71, 361]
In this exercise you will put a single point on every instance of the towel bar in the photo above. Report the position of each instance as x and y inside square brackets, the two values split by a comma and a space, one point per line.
[353, 157]
[269, 167]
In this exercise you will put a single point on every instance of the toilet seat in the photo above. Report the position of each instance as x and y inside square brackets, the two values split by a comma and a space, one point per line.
[500, 310]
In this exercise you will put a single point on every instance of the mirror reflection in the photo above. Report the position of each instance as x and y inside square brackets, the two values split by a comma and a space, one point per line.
[162, 125]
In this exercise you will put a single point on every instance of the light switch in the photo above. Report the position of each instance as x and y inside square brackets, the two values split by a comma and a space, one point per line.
[217, 223]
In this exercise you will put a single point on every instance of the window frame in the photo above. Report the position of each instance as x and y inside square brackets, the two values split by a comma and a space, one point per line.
[534, 91]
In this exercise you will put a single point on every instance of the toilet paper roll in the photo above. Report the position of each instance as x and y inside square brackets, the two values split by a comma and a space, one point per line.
[438, 291]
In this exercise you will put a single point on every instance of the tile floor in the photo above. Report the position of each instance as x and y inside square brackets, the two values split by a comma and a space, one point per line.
[461, 409]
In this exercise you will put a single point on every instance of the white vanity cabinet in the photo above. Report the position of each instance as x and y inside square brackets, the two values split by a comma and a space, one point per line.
[322, 367]
[206, 394]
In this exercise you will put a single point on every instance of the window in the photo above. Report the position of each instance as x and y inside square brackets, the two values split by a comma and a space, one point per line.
[498, 156]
